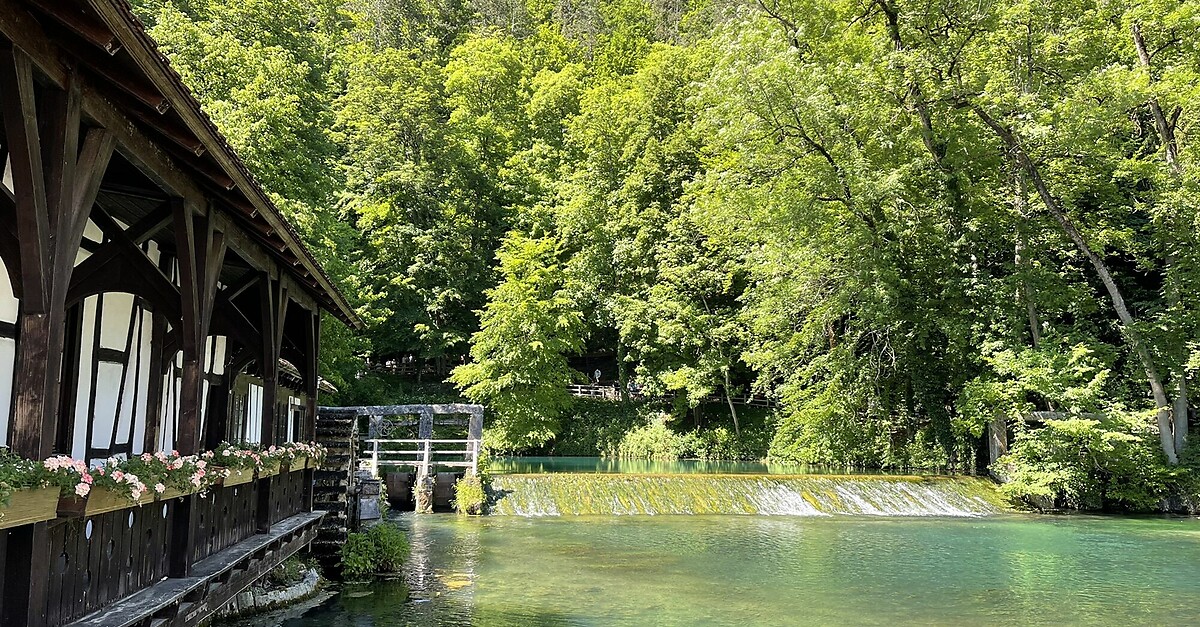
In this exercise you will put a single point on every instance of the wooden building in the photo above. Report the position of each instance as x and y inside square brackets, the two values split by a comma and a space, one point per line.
[149, 296]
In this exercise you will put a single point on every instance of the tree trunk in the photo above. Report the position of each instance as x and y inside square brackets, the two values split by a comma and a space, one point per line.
[1161, 402]
[622, 376]
[732, 410]
[1180, 412]
[1166, 135]
[1025, 293]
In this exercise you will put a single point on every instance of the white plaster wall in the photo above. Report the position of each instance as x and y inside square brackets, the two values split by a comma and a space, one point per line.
[254, 409]
[83, 395]
[9, 308]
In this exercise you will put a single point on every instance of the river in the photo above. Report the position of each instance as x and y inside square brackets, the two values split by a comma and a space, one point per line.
[751, 569]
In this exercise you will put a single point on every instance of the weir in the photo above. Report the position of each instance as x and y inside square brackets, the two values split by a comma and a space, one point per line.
[571, 494]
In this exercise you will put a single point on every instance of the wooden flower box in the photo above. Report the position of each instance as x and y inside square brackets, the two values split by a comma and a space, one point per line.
[29, 506]
[300, 462]
[269, 471]
[102, 500]
[238, 476]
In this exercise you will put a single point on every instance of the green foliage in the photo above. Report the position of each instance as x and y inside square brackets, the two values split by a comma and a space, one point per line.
[519, 366]
[595, 427]
[469, 495]
[824, 201]
[656, 441]
[380, 549]
[381, 388]
[1087, 464]
[18, 473]
[722, 444]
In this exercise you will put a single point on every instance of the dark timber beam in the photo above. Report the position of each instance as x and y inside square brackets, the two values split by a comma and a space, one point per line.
[120, 265]
[29, 184]
[55, 182]
[83, 22]
[141, 49]
[146, 228]
[201, 253]
[312, 344]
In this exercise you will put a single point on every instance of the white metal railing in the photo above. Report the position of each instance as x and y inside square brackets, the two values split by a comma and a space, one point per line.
[421, 453]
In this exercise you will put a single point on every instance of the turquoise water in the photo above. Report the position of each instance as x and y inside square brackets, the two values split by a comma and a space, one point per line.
[1006, 569]
[531, 465]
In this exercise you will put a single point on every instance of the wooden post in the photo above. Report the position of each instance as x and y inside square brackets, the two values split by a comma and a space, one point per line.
[26, 575]
[423, 487]
[311, 375]
[273, 299]
[201, 254]
[55, 182]
[308, 432]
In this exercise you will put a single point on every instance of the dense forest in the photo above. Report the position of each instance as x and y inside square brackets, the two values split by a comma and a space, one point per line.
[905, 220]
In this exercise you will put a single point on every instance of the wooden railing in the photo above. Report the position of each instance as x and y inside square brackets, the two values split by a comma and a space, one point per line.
[612, 393]
[420, 453]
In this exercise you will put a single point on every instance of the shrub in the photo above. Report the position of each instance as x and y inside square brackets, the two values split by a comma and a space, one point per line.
[380, 549]
[596, 426]
[657, 442]
[469, 496]
[1087, 465]
[720, 443]
[831, 427]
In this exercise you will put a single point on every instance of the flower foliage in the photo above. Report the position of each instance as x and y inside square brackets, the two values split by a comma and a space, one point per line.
[259, 458]
[18, 473]
[149, 473]
[135, 476]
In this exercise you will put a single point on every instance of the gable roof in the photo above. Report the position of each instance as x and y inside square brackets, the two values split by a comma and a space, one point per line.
[110, 41]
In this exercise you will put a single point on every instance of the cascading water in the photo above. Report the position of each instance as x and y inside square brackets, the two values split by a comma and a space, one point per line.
[566, 494]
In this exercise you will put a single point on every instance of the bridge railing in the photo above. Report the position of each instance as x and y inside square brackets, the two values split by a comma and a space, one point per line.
[612, 392]
[422, 454]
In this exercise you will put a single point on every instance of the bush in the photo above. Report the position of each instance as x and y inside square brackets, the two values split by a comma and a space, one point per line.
[1088, 465]
[720, 443]
[380, 549]
[830, 428]
[657, 442]
[469, 496]
[595, 426]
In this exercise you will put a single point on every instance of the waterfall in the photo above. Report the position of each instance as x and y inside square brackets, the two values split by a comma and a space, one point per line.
[566, 494]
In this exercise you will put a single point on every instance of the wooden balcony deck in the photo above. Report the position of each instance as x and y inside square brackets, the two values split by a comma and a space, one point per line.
[214, 580]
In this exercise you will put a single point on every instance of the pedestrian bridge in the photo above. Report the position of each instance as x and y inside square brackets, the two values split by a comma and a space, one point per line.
[417, 450]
